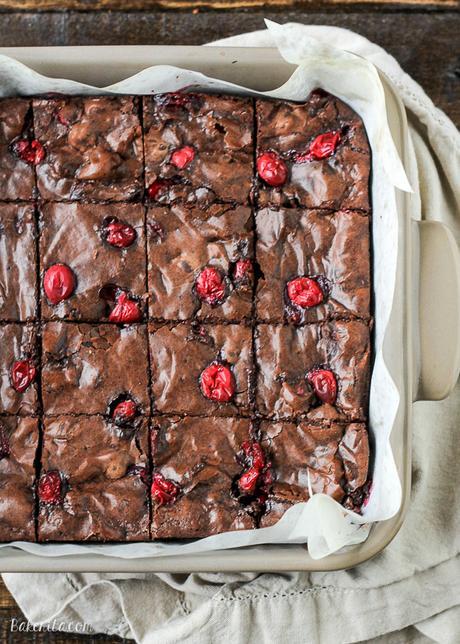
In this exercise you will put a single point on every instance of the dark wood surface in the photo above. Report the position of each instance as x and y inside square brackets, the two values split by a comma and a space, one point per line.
[423, 35]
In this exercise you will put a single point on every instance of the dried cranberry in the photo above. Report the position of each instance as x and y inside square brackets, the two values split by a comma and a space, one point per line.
[124, 411]
[210, 286]
[50, 488]
[322, 147]
[59, 283]
[182, 157]
[243, 271]
[126, 310]
[248, 480]
[217, 383]
[119, 234]
[31, 152]
[23, 373]
[324, 383]
[156, 188]
[4, 443]
[254, 453]
[272, 169]
[305, 292]
[163, 491]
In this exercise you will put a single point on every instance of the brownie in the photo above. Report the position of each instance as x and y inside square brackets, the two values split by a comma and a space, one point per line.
[103, 472]
[181, 354]
[198, 148]
[18, 445]
[199, 457]
[76, 235]
[18, 281]
[334, 459]
[88, 367]
[18, 369]
[16, 153]
[330, 247]
[287, 356]
[183, 242]
[333, 173]
[93, 148]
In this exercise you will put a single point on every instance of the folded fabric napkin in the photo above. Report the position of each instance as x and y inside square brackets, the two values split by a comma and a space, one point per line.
[408, 593]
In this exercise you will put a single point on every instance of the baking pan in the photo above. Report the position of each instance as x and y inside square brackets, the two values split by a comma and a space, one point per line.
[424, 351]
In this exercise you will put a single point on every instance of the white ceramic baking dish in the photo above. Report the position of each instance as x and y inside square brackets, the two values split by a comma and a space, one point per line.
[424, 351]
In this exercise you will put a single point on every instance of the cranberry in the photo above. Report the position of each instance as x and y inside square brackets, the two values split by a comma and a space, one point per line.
[254, 453]
[119, 234]
[322, 147]
[217, 383]
[210, 286]
[59, 283]
[50, 488]
[125, 411]
[23, 373]
[156, 188]
[305, 292]
[272, 169]
[4, 444]
[182, 156]
[126, 310]
[243, 270]
[324, 383]
[248, 480]
[31, 152]
[163, 491]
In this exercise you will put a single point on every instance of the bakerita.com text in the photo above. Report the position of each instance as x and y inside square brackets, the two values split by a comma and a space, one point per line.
[24, 626]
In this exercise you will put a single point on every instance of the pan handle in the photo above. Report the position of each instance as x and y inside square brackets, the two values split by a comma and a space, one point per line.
[438, 318]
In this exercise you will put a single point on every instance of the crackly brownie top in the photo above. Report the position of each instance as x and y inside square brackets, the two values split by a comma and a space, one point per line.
[92, 145]
[97, 475]
[18, 151]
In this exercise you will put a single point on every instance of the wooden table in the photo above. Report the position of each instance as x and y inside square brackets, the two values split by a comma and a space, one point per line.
[423, 35]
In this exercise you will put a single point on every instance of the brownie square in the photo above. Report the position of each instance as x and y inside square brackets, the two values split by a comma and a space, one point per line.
[18, 269]
[338, 180]
[18, 369]
[16, 174]
[76, 235]
[18, 446]
[88, 367]
[286, 355]
[93, 148]
[199, 456]
[332, 248]
[104, 473]
[180, 354]
[198, 148]
[182, 243]
[334, 458]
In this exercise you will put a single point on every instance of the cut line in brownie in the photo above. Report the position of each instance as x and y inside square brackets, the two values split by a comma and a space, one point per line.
[19, 367]
[18, 446]
[17, 150]
[199, 458]
[104, 247]
[328, 172]
[18, 269]
[333, 459]
[200, 263]
[198, 148]
[93, 148]
[86, 368]
[320, 371]
[182, 355]
[94, 481]
[332, 248]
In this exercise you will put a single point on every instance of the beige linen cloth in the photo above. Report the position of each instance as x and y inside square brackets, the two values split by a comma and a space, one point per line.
[408, 593]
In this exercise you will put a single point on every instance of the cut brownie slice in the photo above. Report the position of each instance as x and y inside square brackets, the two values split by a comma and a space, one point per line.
[203, 369]
[18, 370]
[195, 467]
[89, 369]
[18, 446]
[93, 148]
[333, 459]
[18, 270]
[94, 481]
[321, 371]
[198, 148]
[18, 150]
[313, 154]
[104, 248]
[200, 263]
[332, 249]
